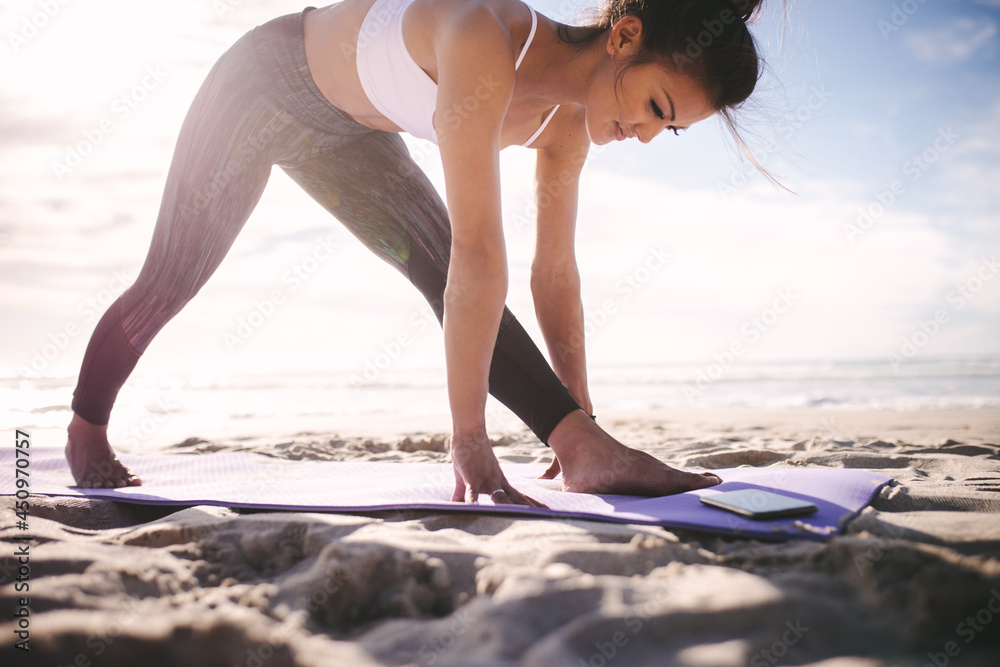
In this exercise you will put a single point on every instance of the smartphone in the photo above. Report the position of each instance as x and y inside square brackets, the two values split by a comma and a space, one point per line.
[759, 504]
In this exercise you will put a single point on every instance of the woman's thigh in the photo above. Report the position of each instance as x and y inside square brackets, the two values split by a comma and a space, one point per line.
[376, 190]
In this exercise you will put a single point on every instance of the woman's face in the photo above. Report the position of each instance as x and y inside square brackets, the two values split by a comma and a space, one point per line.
[651, 98]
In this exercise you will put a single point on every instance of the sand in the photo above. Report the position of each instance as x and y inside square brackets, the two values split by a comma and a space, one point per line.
[914, 580]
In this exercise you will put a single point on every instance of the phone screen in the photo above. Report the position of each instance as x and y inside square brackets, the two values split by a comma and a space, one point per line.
[759, 504]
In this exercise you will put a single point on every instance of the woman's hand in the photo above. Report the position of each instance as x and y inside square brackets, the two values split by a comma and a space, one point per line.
[478, 472]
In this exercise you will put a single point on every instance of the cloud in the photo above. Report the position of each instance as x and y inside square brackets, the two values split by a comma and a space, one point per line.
[957, 41]
[967, 188]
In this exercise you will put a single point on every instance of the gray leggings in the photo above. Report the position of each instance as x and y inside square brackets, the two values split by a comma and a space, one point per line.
[259, 107]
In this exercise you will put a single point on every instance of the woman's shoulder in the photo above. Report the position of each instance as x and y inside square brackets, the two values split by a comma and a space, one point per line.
[472, 9]
[472, 19]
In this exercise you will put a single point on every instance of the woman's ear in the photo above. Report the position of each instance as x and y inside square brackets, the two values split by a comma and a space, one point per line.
[626, 37]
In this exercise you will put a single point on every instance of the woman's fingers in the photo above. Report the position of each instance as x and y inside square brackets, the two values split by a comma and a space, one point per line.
[461, 488]
[504, 494]
[500, 497]
[508, 495]
[472, 497]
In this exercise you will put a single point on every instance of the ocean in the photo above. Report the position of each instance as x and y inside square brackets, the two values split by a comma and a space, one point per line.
[165, 410]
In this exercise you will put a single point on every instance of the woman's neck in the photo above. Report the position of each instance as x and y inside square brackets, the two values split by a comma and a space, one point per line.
[559, 72]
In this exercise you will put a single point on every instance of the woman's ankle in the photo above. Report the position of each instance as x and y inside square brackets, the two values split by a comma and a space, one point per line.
[576, 431]
[78, 423]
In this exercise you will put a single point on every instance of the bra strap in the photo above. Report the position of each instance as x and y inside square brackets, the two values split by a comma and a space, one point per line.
[542, 128]
[531, 36]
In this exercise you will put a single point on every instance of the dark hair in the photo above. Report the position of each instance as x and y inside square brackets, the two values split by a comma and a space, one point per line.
[707, 40]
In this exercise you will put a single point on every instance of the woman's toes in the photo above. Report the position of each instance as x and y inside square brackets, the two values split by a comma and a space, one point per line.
[711, 478]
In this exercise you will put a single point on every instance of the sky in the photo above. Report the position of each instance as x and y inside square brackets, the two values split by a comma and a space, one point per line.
[880, 120]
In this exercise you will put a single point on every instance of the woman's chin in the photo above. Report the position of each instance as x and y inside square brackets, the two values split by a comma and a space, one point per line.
[598, 136]
[600, 140]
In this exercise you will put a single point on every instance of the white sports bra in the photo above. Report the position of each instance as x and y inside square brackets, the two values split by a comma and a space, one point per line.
[394, 83]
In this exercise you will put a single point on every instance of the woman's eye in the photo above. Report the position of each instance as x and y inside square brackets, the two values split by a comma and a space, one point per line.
[674, 130]
[657, 110]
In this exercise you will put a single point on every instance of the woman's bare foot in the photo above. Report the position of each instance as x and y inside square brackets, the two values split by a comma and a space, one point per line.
[91, 459]
[594, 462]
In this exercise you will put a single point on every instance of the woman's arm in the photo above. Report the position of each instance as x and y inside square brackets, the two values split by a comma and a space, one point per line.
[555, 279]
[473, 47]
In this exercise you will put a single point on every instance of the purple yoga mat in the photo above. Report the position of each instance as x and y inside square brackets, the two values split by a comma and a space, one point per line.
[243, 479]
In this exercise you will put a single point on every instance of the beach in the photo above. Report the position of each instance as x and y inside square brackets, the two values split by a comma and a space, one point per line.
[728, 323]
[913, 580]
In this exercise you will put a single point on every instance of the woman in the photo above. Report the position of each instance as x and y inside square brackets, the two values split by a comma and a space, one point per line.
[324, 93]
